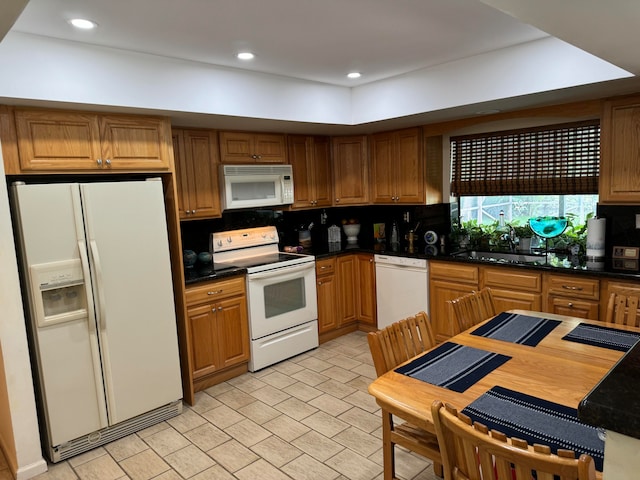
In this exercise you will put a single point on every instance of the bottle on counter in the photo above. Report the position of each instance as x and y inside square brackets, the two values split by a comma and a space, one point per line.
[394, 234]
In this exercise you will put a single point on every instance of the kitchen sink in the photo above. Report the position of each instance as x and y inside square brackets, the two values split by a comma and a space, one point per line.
[505, 257]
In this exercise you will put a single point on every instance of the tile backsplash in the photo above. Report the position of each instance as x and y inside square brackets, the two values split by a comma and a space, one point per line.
[621, 225]
[195, 234]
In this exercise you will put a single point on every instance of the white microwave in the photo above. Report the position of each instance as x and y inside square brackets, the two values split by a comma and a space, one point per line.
[252, 186]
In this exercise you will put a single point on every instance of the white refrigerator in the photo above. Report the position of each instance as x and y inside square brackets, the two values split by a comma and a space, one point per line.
[101, 318]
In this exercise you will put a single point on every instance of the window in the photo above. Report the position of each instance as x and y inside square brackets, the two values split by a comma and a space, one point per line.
[518, 209]
[556, 160]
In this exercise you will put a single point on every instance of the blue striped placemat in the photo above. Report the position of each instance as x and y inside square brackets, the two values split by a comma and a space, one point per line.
[517, 328]
[453, 366]
[536, 421]
[601, 336]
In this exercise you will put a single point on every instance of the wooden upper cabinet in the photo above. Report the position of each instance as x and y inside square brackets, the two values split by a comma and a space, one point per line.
[196, 160]
[311, 161]
[350, 170]
[397, 167]
[620, 152]
[54, 140]
[246, 147]
[135, 143]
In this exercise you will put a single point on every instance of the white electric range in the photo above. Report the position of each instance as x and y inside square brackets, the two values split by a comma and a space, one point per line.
[281, 291]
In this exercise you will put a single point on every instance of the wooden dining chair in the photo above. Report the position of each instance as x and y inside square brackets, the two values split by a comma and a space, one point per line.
[472, 308]
[469, 451]
[390, 347]
[623, 310]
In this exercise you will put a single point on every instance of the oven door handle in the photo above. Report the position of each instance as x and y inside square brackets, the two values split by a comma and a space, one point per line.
[280, 271]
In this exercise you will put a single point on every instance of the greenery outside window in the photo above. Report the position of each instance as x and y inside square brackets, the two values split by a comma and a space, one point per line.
[505, 178]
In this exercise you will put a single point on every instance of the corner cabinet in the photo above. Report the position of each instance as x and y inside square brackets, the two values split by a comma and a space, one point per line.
[397, 167]
[247, 147]
[62, 141]
[218, 329]
[350, 170]
[196, 162]
[620, 152]
[310, 158]
[345, 287]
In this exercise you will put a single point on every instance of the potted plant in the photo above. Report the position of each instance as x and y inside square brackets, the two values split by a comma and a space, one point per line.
[524, 235]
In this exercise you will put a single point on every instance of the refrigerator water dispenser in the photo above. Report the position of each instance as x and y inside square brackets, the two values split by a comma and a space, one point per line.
[59, 292]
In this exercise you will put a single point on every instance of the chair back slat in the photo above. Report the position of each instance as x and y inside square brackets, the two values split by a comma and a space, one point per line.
[622, 310]
[470, 451]
[472, 308]
[400, 341]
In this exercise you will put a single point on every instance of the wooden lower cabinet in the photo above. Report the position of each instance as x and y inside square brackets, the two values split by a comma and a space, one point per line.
[218, 331]
[513, 288]
[345, 287]
[572, 295]
[448, 280]
[347, 291]
[327, 293]
[366, 282]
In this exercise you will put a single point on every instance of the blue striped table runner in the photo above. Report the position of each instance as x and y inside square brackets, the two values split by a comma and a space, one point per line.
[517, 328]
[453, 366]
[537, 421]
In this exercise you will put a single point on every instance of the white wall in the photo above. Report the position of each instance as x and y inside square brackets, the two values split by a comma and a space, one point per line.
[40, 68]
[539, 66]
[19, 434]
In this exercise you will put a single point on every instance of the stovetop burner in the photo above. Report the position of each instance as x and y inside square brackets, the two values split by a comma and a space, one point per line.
[255, 249]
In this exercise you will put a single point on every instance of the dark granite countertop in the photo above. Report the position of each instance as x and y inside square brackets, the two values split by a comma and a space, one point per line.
[559, 263]
[614, 404]
[203, 273]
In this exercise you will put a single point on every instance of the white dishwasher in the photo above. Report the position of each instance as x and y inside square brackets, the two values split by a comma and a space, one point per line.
[402, 287]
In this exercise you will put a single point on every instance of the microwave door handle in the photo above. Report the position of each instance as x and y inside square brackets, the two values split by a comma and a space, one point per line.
[281, 271]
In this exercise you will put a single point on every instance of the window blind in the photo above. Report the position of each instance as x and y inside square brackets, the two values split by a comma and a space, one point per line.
[555, 159]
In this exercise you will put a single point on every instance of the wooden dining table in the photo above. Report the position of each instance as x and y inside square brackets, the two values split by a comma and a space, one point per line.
[556, 370]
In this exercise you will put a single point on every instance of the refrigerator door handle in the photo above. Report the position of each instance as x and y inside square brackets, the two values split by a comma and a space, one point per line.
[101, 310]
[84, 260]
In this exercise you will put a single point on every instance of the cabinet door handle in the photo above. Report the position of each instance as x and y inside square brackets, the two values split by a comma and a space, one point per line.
[215, 292]
[570, 305]
[99, 162]
[108, 162]
[337, 200]
[319, 283]
[571, 287]
[219, 308]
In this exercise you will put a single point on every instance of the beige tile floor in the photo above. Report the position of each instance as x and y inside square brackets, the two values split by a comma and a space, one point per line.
[307, 418]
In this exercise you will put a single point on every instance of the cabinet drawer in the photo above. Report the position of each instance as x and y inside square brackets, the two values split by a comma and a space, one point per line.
[574, 287]
[575, 308]
[454, 271]
[213, 291]
[325, 266]
[510, 279]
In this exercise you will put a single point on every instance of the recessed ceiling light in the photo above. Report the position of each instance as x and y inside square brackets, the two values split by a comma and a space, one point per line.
[354, 75]
[245, 56]
[83, 23]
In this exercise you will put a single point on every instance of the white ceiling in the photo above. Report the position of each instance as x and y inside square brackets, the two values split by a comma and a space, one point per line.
[318, 40]
[322, 40]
